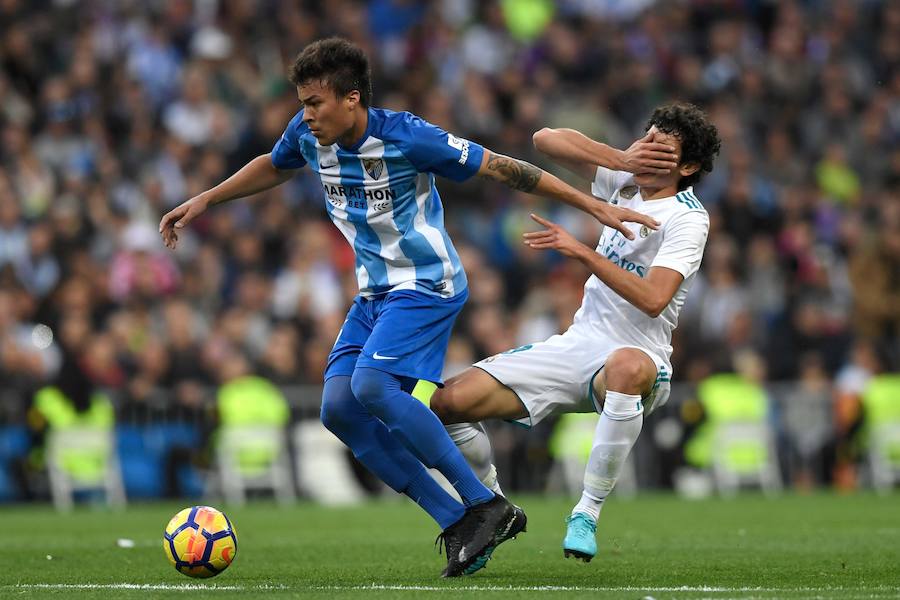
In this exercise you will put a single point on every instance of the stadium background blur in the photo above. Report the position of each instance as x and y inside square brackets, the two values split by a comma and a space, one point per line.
[111, 113]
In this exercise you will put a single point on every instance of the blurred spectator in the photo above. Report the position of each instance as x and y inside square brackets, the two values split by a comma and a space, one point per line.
[850, 384]
[72, 401]
[807, 418]
[249, 403]
[28, 354]
[140, 270]
[13, 234]
[875, 273]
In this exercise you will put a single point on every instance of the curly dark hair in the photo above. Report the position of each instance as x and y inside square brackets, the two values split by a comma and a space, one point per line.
[340, 63]
[699, 138]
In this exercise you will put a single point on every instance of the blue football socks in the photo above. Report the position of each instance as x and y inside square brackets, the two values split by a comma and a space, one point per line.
[415, 426]
[427, 493]
[375, 447]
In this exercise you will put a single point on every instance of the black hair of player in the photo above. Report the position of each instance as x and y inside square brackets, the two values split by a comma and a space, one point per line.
[339, 63]
[699, 137]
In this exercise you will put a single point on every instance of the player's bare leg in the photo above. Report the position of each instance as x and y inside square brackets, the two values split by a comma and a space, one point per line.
[473, 395]
[627, 376]
[466, 399]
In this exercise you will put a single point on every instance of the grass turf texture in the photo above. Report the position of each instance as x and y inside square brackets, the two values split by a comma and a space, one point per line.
[820, 546]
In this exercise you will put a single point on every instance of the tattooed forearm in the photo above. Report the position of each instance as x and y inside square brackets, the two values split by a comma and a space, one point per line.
[515, 173]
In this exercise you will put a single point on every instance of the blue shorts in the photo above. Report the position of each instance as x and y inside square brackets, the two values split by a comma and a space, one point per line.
[404, 333]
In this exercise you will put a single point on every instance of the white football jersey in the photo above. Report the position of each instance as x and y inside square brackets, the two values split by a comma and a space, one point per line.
[678, 245]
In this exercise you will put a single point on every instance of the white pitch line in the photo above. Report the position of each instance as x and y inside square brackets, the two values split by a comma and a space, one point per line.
[563, 588]
[184, 587]
[189, 587]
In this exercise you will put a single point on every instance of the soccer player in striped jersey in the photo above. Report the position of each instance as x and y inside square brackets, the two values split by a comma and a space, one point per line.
[377, 168]
[614, 359]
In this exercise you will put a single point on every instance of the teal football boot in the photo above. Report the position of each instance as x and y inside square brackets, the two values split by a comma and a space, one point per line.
[580, 541]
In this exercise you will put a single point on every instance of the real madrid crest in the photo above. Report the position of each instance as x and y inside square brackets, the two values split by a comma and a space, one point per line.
[645, 231]
[374, 167]
[628, 191]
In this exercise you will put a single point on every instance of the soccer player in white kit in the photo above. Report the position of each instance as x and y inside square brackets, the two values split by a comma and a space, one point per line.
[614, 359]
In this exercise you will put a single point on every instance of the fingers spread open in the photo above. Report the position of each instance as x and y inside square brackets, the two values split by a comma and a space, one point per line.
[540, 239]
[658, 147]
[626, 214]
[660, 163]
[542, 221]
[652, 171]
[622, 229]
[542, 245]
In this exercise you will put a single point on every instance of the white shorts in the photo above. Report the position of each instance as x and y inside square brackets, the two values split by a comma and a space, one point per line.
[556, 376]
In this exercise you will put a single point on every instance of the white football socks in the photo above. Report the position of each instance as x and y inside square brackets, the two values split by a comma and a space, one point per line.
[475, 445]
[617, 430]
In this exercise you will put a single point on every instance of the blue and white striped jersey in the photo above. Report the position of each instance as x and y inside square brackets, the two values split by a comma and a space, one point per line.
[381, 195]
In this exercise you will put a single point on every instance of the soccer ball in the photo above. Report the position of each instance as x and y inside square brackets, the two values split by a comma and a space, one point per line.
[200, 541]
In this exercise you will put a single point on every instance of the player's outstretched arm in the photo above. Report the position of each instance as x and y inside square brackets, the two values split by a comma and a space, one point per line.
[524, 176]
[256, 176]
[650, 294]
[582, 155]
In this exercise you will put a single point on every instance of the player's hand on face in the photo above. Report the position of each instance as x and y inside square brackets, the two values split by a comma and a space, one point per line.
[178, 218]
[616, 216]
[649, 156]
[553, 237]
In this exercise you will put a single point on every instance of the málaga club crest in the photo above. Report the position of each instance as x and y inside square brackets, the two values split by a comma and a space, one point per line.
[374, 167]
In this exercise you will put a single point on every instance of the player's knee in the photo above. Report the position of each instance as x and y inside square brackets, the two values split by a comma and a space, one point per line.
[336, 412]
[444, 403]
[437, 404]
[629, 370]
[331, 417]
[369, 386]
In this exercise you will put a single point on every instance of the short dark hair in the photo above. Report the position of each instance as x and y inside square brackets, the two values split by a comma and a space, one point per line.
[338, 62]
[699, 137]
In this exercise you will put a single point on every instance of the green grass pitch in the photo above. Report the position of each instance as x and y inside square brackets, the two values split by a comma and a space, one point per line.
[658, 546]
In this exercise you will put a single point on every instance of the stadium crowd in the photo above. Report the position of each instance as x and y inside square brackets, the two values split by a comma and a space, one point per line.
[111, 113]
